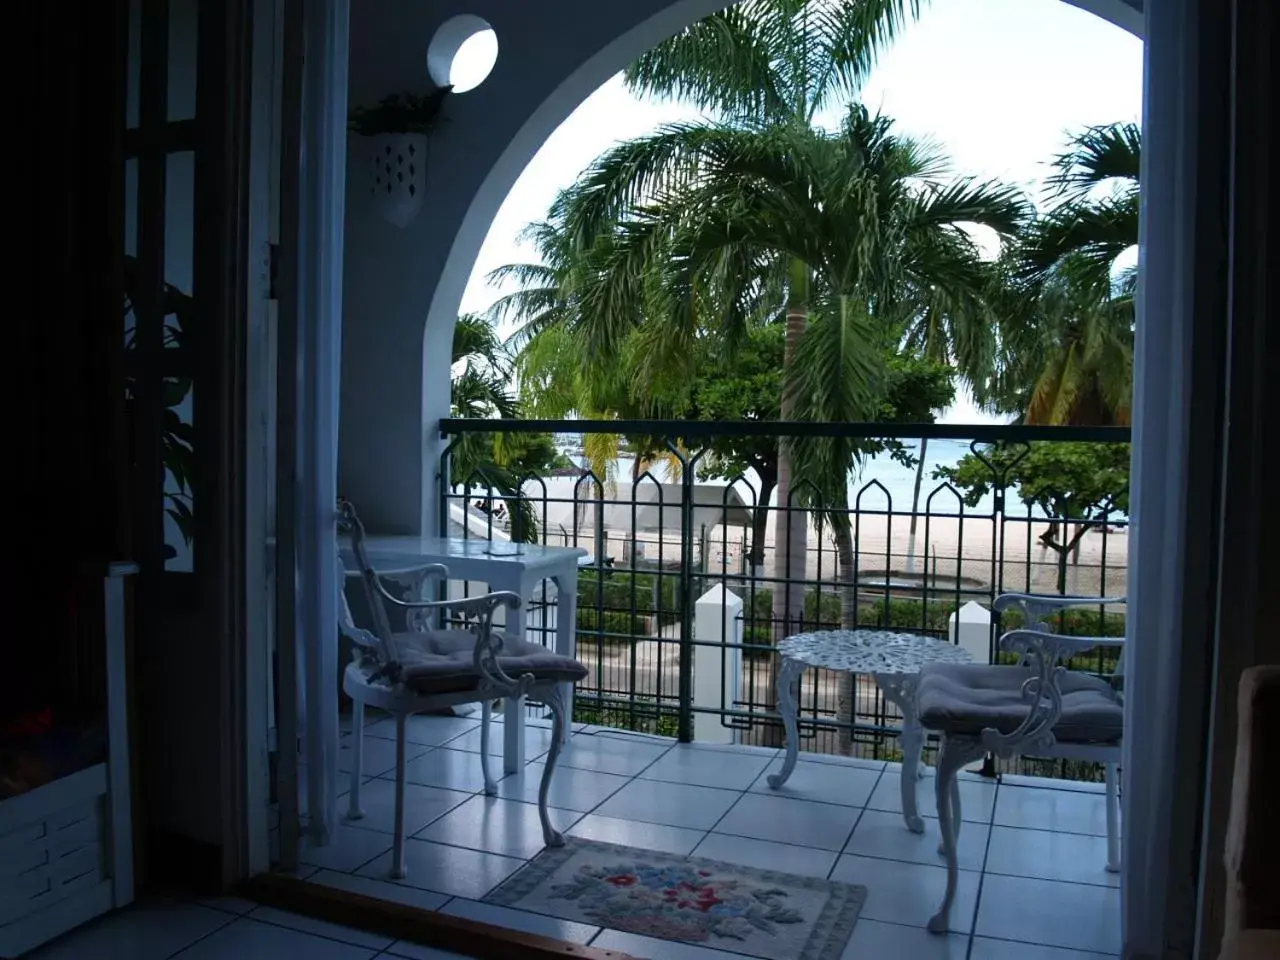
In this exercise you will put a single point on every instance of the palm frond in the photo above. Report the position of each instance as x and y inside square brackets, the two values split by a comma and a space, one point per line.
[1096, 155]
[723, 63]
[1090, 234]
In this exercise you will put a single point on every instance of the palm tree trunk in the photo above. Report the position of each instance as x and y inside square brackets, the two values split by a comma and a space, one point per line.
[790, 537]
[791, 529]
[846, 683]
[915, 506]
[760, 524]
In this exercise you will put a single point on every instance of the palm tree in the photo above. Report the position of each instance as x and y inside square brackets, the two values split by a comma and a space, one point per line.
[774, 62]
[703, 229]
[1066, 319]
[951, 325]
[833, 232]
[1067, 350]
[480, 390]
[1090, 228]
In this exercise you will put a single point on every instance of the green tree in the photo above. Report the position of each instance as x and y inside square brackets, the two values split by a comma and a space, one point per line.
[1078, 486]
[1095, 218]
[757, 215]
[1068, 353]
[830, 231]
[494, 463]
[1066, 311]
[763, 68]
[952, 324]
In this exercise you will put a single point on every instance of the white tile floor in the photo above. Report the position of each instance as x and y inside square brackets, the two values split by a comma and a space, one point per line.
[1032, 885]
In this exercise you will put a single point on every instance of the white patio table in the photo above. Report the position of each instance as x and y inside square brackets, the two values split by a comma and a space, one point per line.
[519, 568]
[894, 659]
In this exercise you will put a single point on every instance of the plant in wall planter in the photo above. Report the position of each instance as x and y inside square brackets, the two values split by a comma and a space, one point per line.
[396, 131]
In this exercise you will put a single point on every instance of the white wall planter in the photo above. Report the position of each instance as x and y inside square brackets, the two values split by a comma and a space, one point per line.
[397, 171]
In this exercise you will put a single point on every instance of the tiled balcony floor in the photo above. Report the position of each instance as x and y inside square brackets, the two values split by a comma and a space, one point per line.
[1032, 885]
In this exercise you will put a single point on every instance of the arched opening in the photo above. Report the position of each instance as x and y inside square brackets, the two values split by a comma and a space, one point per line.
[464, 216]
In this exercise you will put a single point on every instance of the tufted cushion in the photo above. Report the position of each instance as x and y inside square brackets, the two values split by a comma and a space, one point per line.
[966, 698]
[441, 661]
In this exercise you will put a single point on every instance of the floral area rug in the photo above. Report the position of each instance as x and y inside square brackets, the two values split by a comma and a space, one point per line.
[760, 913]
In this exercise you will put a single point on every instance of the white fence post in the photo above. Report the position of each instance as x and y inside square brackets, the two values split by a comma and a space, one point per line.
[970, 627]
[717, 671]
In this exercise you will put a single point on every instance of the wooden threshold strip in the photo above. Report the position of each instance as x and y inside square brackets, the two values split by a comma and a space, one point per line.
[483, 941]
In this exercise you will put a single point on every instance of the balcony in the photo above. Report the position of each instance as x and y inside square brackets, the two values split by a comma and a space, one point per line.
[681, 600]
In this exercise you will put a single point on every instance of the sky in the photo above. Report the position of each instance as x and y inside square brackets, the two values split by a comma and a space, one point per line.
[997, 84]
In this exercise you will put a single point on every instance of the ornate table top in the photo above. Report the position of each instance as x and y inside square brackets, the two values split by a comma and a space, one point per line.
[870, 651]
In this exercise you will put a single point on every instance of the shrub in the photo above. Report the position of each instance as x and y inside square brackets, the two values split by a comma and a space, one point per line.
[655, 595]
[898, 613]
[1077, 622]
[618, 626]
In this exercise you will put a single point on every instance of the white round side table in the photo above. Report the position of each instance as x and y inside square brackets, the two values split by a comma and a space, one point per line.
[894, 659]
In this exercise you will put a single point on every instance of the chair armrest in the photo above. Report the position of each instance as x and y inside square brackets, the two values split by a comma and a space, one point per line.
[467, 605]
[357, 635]
[1048, 602]
[1040, 651]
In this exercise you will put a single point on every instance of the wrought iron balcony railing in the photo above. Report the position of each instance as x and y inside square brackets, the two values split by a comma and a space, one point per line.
[688, 507]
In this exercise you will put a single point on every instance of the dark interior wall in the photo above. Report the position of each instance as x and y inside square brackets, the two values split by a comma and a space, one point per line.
[72, 478]
[64, 461]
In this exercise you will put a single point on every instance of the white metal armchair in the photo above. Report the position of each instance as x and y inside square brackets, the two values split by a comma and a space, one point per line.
[426, 669]
[1036, 707]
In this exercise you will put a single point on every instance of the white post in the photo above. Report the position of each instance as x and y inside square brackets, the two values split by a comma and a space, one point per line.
[717, 671]
[970, 628]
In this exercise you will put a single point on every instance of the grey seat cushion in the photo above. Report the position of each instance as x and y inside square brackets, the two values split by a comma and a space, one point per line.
[966, 698]
[442, 661]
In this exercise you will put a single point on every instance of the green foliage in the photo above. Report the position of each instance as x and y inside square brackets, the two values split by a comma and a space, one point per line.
[773, 60]
[177, 436]
[400, 113]
[1065, 314]
[741, 382]
[613, 627]
[494, 463]
[1087, 224]
[1077, 622]
[1068, 481]
[823, 611]
[649, 594]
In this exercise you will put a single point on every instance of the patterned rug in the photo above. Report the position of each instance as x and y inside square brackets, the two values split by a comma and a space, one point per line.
[760, 913]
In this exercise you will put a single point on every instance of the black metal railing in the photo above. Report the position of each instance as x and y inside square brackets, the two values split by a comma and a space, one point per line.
[1037, 509]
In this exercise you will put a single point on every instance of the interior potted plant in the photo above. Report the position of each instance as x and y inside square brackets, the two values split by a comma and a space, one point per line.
[396, 130]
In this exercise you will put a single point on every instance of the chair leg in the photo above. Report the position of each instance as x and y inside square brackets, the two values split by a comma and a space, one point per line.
[486, 714]
[397, 856]
[957, 815]
[1113, 818]
[354, 810]
[953, 755]
[556, 701]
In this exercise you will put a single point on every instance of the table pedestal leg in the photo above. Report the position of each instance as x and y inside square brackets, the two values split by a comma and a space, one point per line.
[566, 635]
[789, 707]
[900, 690]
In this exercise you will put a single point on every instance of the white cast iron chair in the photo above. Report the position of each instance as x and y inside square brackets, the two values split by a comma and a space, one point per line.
[424, 669]
[1037, 707]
